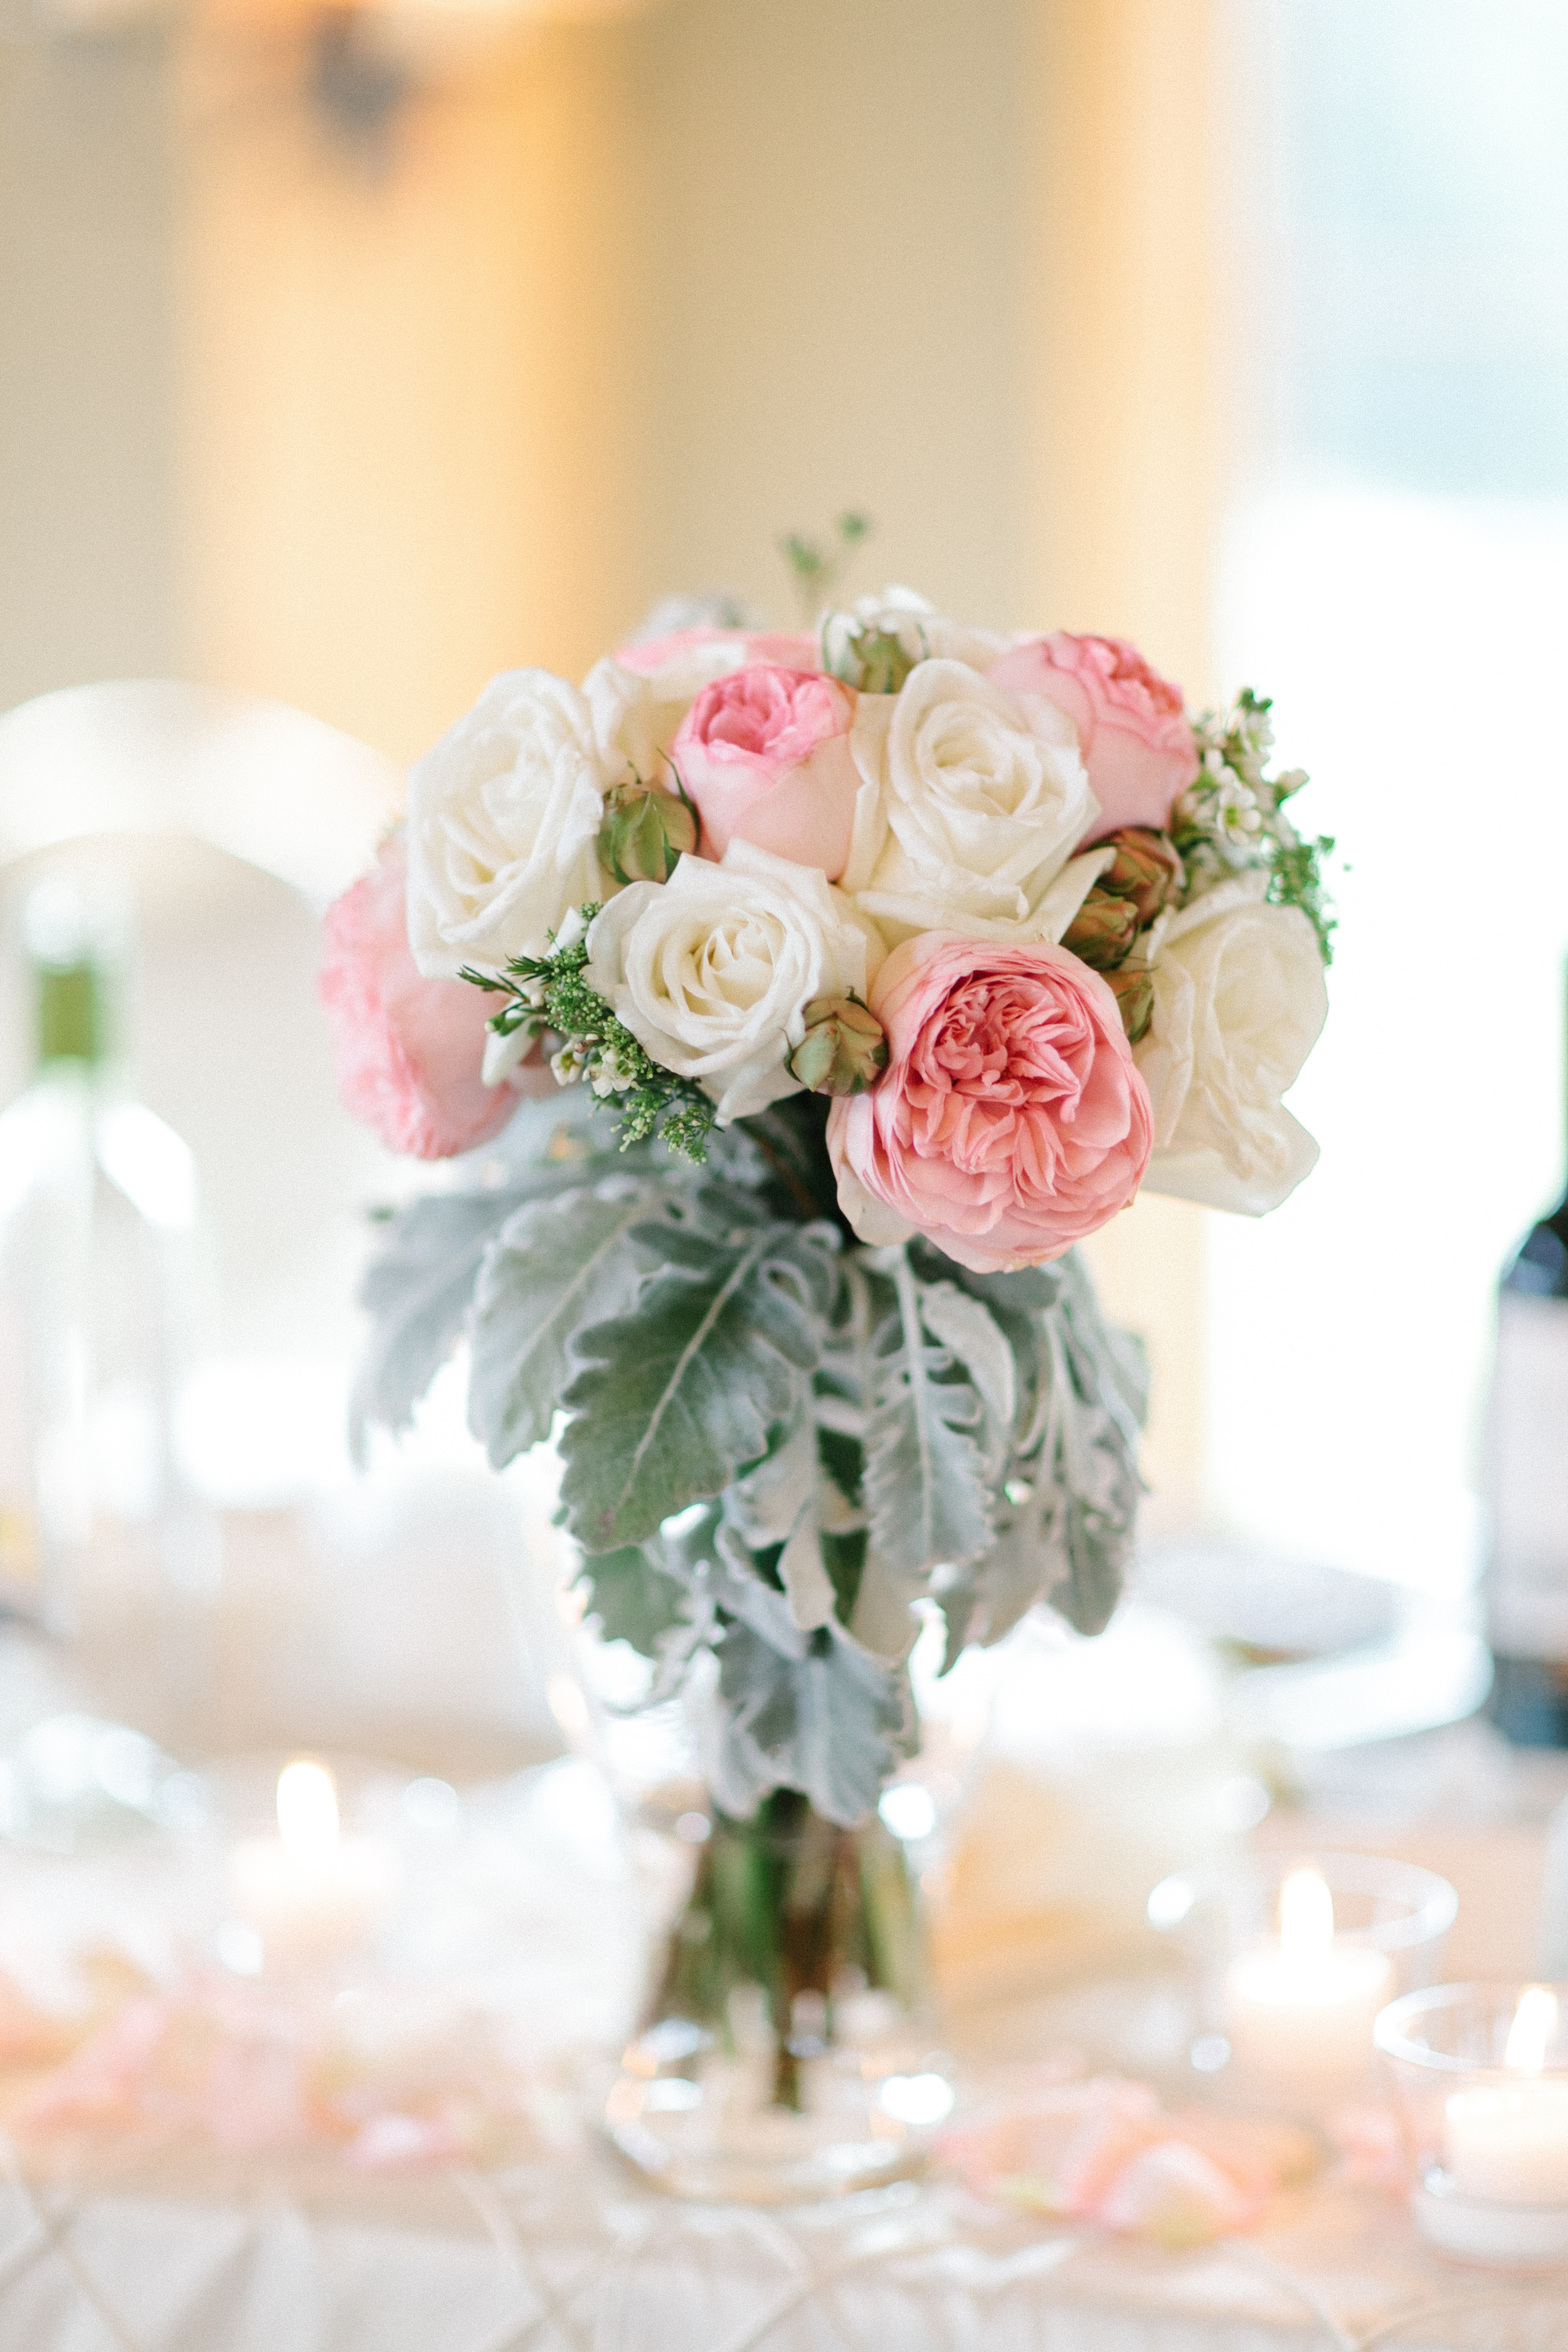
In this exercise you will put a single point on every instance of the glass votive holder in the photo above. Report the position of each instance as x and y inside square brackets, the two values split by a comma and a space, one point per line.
[1294, 1956]
[316, 1866]
[1481, 2074]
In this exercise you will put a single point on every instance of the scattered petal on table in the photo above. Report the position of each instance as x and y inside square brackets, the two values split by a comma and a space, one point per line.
[1105, 2150]
[1370, 2151]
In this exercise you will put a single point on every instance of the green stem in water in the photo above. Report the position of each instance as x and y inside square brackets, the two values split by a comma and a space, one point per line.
[787, 1900]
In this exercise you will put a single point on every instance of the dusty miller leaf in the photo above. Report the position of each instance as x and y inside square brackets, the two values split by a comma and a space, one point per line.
[675, 1394]
[828, 1719]
[1068, 1511]
[776, 1507]
[634, 1598]
[1100, 1378]
[1111, 1360]
[416, 1289]
[418, 1286]
[554, 1266]
[973, 1338]
[926, 1488]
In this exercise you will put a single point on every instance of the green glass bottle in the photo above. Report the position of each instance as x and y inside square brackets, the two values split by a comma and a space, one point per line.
[101, 1325]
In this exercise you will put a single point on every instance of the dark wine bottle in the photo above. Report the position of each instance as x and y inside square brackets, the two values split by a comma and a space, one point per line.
[1526, 1489]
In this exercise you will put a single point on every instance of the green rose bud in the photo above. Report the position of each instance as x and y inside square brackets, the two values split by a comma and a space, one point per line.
[1102, 931]
[844, 1048]
[644, 832]
[885, 661]
[1147, 871]
[1133, 990]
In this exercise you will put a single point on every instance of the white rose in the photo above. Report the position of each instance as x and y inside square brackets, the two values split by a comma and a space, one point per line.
[635, 717]
[1239, 999]
[973, 800]
[711, 972]
[503, 819]
[924, 634]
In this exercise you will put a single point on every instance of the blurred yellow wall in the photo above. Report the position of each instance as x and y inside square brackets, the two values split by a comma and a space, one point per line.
[1125, 423]
[619, 305]
[89, 230]
[835, 218]
[407, 430]
[620, 311]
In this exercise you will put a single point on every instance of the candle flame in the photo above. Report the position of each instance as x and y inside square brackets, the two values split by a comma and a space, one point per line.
[1306, 1913]
[307, 1808]
[1534, 2026]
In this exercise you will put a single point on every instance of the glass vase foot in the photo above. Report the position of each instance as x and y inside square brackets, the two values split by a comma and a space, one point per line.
[701, 2122]
[785, 2059]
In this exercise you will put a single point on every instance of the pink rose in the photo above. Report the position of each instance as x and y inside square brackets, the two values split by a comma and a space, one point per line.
[1134, 739]
[1010, 1120]
[785, 648]
[408, 1049]
[765, 754]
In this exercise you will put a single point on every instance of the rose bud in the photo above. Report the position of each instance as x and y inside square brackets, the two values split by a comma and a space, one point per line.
[1148, 870]
[1102, 931]
[644, 832]
[844, 1049]
[885, 660]
[1134, 989]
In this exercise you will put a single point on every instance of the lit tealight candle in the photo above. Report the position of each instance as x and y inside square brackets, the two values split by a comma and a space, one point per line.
[309, 1892]
[1301, 2005]
[1508, 2142]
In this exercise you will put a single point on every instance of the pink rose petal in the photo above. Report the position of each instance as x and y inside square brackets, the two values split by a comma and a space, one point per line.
[409, 1050]
[786, 648]
[1131, 729]
[1176, 2195]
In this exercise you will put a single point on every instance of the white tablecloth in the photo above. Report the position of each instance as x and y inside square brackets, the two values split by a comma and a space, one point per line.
[196, 2250]
[567, 2257]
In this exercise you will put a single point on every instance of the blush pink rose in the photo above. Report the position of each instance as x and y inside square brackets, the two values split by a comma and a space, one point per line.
[765, 754]
[1132, 732]
[787, 648]
[408, 1049]
[1010, 1120]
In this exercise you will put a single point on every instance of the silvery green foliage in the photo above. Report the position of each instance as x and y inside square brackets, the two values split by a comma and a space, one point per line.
[929, 1484]
[1069, 1491]
[419, 1287]
[417, 1292]
[807, 1711]
[773, 1440]
[710, 1357]
[555, 1265]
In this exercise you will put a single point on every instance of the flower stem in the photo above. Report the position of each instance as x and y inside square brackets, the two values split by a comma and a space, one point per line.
[787, 1900]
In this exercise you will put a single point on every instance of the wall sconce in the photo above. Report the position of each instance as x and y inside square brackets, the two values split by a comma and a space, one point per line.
[357, 63]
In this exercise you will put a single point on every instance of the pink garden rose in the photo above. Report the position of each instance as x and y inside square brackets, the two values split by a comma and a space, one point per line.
[765, 754]
[1010, 1120]
[408, 1049]
[786, 648]
[1135, 742]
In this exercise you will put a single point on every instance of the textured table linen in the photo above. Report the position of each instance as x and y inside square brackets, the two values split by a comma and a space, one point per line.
[566, 2257]
[170, 2248]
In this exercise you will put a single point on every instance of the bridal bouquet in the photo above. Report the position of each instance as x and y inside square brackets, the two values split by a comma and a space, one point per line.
[828, 988]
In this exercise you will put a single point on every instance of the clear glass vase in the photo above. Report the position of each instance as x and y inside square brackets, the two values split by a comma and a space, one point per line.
[786, 2048]
[786, 2052]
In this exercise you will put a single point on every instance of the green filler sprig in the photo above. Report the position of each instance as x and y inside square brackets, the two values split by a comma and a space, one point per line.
[552, 993]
